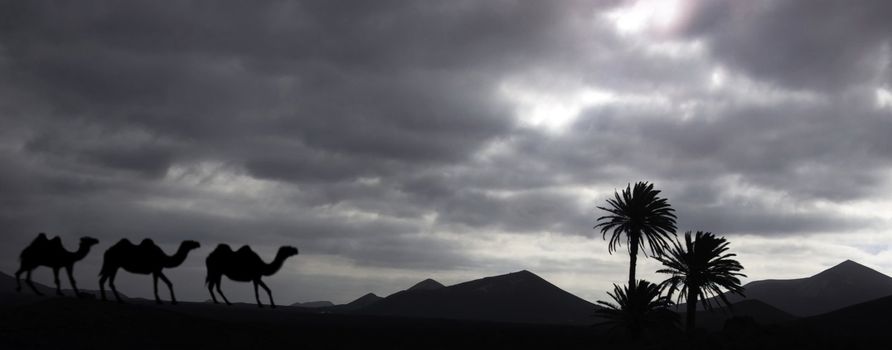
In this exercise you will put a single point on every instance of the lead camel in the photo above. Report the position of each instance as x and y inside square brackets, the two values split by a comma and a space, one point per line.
[243, 265]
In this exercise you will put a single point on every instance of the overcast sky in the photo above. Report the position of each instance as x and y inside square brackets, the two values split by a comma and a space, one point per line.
[393, 141]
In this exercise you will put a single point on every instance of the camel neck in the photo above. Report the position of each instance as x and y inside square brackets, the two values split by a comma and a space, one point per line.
[81, 252]
[275, 265]
[177, 258]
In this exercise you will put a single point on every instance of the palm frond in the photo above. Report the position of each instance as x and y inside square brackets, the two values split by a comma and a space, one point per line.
[701, 265]
[638, 213]
[637, 309]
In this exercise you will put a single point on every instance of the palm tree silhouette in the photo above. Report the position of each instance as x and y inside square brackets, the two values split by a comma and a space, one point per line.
[641, 216]
[638, 309]
[700, 269]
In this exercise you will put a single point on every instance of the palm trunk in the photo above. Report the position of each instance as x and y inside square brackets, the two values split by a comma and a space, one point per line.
[633, 259]
[692, 311]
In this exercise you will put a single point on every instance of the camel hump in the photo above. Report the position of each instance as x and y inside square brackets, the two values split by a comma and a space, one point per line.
[40, 239]
[39, 243]
[55, 242]
[223, 247]
[148, 242]
[245, 249]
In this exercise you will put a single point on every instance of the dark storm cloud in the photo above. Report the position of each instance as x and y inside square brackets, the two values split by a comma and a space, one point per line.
[823, 45]
[105, 150]
[316, 94]
[409, 83]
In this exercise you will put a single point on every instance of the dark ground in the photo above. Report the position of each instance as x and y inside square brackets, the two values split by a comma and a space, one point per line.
[69, 323]
[88, 324]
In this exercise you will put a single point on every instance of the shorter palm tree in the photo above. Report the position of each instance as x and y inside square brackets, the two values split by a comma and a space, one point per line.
[637, 309]
[701, 269]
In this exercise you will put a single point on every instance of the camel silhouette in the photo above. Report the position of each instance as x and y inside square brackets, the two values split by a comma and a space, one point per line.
[51, 253]
[145, 258]
[243, 265]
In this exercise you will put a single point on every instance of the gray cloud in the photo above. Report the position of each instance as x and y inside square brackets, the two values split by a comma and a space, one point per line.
[824, 45]
[363, 132]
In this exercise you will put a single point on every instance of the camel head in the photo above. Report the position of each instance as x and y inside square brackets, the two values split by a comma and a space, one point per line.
[288, 251]
[190, 245]
[89, 241]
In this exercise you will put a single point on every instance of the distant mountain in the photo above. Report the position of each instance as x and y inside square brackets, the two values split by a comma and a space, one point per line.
[515, 297]
[360, 303]
[365, 300]
[371, 298]
[759, 311]
[314, 304]
[843, 285]
[428, 284]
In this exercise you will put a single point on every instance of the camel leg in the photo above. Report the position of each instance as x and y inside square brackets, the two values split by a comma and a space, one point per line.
[173, 298]
[270, 294]
[31, 284]
[257, 295]
[211, 290]
[18, 279]
[155, 285]
[56, 279]
[69, 269]
[221, 294]
[102, 279]
[111, 283]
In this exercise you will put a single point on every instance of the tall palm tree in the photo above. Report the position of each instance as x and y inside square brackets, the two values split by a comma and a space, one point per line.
[639, 215]
[700, 269]
[639, 308]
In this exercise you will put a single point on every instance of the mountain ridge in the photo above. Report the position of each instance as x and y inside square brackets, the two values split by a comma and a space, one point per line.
[520, 297]
[427, 284]
[842, 285]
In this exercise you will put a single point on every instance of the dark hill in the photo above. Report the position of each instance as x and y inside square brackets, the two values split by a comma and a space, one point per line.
[865, 320]
[360, 303]
[759, 311]
[8, 284]
[365, 300]
[516, 297]
[843, 285]
[428, 284]
[8, 295]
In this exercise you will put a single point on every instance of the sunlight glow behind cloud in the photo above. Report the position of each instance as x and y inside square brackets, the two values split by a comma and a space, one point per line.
[883, 98]
[552, 110]
[646, 15]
